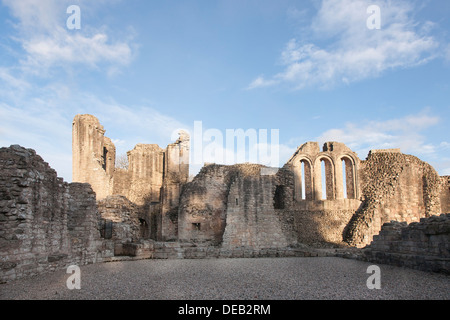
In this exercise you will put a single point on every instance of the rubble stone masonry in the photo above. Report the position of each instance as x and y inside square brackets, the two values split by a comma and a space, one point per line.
[45, 223]
[394, 186]
[423, 245]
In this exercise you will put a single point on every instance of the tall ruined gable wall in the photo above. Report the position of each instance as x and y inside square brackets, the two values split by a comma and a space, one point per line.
[322, 212]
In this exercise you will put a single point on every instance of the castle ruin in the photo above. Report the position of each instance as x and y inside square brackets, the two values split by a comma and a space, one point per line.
[321, 198]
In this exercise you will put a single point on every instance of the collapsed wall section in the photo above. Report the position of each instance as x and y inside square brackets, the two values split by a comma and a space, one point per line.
[397, 187]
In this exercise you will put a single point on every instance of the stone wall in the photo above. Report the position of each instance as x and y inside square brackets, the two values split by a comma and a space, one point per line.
[82, 224]
[176, 175]
[445, 194]
[244, 210]
[154, 175]
[255, 208]
[145, 174]
[184, 250]
[322, 212]
[360, 195]
[45, 223]
[94, 163]
[203, 204]
[423, 245]
[341, 172]
[238, 206]
[322, 223]
[394, 186]
[124, 217]
[93, 155]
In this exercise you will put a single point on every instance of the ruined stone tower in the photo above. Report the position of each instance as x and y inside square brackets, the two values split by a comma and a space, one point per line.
[93, 155]
[152, 180]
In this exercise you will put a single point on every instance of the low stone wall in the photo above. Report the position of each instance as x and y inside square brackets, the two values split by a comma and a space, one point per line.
[181, 250]
[423, 245]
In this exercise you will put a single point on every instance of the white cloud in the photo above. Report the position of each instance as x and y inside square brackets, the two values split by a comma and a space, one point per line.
[64, 48]
[47, 42]
[403, 133]
[349, 51]
[260, 82]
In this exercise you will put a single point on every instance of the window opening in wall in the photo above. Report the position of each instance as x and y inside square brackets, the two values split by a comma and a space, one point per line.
[144, 229]
[105, 154]
[344, 178]
[348, 172]
[306, 180]
[278, 199]
[327, 179]
[237, 201]
[196, 226]
[106, 227]
[303, 181]
[324, 179]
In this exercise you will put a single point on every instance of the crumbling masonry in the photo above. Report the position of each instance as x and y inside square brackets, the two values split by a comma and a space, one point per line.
[320, 198]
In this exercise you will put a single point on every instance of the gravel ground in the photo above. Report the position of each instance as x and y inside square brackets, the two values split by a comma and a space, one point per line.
[232, 279]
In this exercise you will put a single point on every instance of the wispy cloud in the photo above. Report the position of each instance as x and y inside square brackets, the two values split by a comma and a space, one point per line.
[343, 50]
[47, 42]
[37, 107]
[261, 82]
[405, 133]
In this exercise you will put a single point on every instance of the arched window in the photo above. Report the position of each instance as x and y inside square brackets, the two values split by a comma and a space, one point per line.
[306, 183]
[344, 180]
[303, 181]
[348, 175]
[327, 179]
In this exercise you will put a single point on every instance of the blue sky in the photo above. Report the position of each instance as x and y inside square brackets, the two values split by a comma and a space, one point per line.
[311, 69]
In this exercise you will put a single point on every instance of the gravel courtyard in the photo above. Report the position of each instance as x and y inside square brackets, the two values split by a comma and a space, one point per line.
[232, 279]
